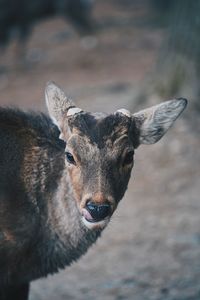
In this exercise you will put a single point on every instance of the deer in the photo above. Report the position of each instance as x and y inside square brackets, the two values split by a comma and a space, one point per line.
[19, 17]
[61, 179]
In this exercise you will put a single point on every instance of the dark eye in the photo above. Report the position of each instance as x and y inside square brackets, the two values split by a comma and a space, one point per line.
[129, 158]
[70, 158]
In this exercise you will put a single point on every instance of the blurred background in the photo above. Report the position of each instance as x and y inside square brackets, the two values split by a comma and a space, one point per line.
[109, 54]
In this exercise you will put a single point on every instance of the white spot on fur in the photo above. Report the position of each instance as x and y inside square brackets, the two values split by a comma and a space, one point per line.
[124, 112]
[61, 136]
[73, 111]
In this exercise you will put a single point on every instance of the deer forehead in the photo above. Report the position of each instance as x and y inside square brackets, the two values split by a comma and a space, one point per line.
[101, 131]
[84, 148]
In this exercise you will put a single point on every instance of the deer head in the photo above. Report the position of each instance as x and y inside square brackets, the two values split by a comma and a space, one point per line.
[100, 149]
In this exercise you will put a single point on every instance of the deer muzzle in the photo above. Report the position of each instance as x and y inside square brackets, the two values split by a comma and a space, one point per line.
[97, 212]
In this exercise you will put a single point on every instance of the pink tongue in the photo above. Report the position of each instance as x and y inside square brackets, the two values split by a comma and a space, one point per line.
[87, 215]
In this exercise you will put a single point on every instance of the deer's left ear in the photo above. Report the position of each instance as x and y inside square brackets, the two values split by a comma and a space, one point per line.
[152, 123]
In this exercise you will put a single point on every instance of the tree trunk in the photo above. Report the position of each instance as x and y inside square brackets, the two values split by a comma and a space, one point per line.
[177, 70]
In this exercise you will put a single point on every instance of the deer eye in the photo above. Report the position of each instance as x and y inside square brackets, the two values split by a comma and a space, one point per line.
[129, 158]
[70, 158]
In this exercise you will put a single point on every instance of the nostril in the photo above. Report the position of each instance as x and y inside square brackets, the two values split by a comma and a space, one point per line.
[104, 211]
[98, 211]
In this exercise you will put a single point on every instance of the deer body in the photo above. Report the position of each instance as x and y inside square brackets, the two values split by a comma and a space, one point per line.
[61, 181]
[34, 222]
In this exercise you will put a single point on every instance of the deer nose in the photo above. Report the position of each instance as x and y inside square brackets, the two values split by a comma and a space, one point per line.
[98, 211]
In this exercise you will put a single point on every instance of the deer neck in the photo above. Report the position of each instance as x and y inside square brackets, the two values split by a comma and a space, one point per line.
[69, 235]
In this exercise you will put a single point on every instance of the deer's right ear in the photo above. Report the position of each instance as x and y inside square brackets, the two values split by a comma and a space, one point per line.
[57, 103]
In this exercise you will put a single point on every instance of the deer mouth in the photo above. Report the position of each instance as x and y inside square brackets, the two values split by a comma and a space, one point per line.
[86, 214]
[96, 225]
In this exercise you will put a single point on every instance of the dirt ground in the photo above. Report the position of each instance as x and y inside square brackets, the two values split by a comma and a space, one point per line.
[151, 248]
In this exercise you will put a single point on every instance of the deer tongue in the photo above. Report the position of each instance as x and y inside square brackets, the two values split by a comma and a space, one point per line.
[87, 215]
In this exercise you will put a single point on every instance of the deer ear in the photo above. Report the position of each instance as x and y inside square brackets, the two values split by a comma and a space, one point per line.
[152, 123]
[57, 103]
